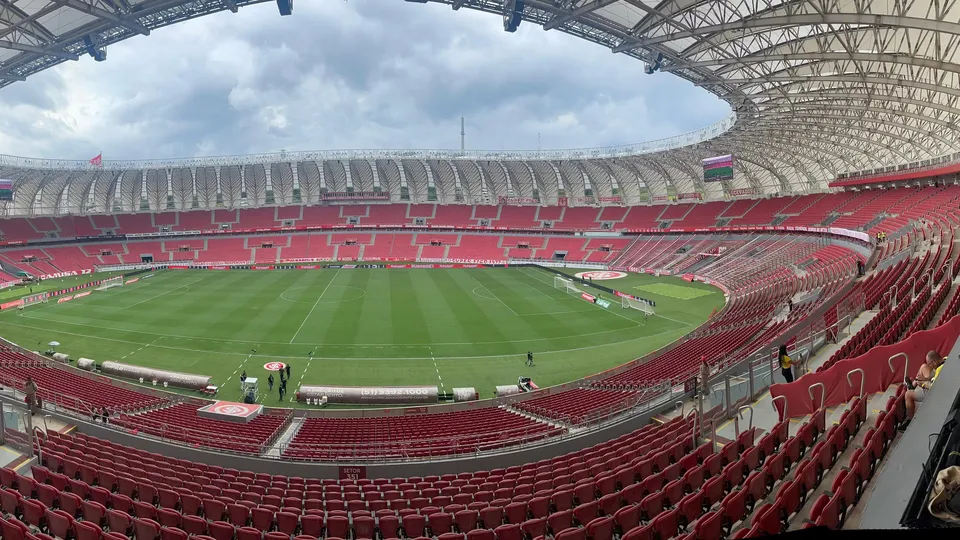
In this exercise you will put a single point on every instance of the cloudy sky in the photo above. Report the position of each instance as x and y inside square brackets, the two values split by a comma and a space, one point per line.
[344, 74]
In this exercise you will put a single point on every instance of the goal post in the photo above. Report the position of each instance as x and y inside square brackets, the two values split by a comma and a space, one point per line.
[639, 305]
[35, 299]
[561, 283]
[116, 281]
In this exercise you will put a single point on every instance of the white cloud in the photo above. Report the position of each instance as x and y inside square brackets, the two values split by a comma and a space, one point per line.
[358, 74]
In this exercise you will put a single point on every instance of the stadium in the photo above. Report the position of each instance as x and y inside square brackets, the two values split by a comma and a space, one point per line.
[730, 333]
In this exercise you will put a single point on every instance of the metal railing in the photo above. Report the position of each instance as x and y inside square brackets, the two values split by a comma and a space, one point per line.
[659, 145]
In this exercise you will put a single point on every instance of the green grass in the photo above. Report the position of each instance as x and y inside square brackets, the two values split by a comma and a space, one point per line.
[13, 293]
[449, 327]
[669, 290]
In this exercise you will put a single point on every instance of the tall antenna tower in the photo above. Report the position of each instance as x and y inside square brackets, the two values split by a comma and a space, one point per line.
[463, 135]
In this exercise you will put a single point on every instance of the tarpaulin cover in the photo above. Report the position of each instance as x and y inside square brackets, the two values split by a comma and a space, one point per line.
[874, 363]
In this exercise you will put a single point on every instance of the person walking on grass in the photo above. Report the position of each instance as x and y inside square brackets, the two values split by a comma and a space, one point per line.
[243, 378]
[270, 381]
[530, 358]
[288, 371]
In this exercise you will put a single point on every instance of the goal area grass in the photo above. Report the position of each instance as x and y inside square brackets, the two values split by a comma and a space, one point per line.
[469, 327]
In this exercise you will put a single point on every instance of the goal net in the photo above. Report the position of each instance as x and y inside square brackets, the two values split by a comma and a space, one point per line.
[34, 299]
[116, 281]
[566, 285]
[639, 305]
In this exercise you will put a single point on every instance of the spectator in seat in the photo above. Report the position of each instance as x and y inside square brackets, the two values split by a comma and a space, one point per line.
[786, 364]
[106, 416]
[918, 387]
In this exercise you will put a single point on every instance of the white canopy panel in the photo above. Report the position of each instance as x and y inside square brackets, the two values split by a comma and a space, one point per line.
[817, 87]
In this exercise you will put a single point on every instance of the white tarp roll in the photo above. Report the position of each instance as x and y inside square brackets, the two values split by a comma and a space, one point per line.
[60, 357]
[465, 394]
[507, 390]
[86, 364]
[173, 378]
[383, 395]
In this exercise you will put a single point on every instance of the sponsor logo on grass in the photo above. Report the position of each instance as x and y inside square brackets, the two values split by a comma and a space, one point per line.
[64, 299]
[274, 366]
[588, 297]
[603, 303]
[134, 280]
[82, 294]
[600, 275]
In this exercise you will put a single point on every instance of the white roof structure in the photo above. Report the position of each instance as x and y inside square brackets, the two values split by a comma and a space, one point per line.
[817, 88]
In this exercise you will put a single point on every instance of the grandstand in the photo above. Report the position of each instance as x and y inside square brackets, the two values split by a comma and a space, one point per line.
[832, 144]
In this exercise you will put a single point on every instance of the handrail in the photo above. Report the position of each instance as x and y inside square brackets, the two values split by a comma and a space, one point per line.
[823, 393]
[740, 414]
[862, 378]
[696, 422]
[713, 434]
[906, 364]
[783, 414]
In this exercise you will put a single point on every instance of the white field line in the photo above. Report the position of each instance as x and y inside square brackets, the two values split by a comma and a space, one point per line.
[318, 345]
[315, 304]
[141, 348]
[439, 378]
[164, 293]
[495, 297]
[512, 355]
[252, 352]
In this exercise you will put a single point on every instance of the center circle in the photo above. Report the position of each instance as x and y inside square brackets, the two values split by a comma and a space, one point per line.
[308, 294]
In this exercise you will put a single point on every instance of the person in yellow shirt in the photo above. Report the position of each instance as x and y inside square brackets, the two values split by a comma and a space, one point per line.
[786, 364]
[918, 387]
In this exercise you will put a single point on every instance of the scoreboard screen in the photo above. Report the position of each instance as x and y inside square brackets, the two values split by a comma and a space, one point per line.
[718, 168]
[6, 190]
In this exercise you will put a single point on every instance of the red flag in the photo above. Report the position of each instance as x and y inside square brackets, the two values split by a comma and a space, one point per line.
[97, 161]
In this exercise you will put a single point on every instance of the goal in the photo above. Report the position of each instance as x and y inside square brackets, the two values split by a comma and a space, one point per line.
[566, 285]
[116, 281]
[34, 299]
[639, 305]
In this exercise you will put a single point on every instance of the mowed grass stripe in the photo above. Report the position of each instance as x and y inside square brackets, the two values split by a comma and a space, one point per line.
[210, 327]
[408, 324]
[343, 312]
[538, 311]
[454, 290]
[453, 314]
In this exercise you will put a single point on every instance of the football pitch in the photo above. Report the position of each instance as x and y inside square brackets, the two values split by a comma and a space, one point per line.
[445, 327]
